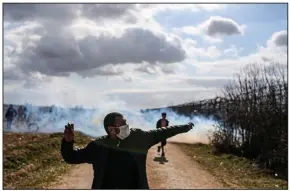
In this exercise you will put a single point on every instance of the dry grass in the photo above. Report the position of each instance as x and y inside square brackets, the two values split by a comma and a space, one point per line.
[234, 172]
[31, 161]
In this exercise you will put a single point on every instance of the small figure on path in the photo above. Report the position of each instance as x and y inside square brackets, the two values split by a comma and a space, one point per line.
[163, 122]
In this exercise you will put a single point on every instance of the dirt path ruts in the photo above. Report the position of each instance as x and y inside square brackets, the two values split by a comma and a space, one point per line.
[177, 172]
[80, 177]
[180, 172]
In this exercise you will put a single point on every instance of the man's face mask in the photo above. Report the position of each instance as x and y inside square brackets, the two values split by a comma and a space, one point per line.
[124, 132]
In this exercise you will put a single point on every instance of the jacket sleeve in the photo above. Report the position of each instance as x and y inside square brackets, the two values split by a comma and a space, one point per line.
[157, 135]
[158, 124]
[77, 156]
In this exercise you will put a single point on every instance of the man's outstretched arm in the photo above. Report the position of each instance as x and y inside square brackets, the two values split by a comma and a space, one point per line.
[158, 124]
[155, 136]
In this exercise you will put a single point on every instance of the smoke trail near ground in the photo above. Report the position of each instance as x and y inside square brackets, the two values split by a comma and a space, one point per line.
[90, 121]
[203, 127]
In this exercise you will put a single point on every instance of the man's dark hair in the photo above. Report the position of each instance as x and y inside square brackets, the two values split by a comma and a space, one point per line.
[163, 114]
[110, 120]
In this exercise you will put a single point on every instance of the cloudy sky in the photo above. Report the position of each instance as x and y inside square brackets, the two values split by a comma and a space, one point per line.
[134, 56]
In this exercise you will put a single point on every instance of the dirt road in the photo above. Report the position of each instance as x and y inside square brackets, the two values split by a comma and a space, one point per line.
[178, 171]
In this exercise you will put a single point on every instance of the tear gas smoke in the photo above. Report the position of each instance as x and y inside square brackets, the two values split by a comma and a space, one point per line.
[90, 121]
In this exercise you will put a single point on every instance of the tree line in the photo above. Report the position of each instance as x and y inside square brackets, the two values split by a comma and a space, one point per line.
[254, 119]
[251, 115]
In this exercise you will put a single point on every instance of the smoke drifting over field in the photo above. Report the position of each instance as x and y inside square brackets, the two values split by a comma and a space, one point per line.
[90, 121]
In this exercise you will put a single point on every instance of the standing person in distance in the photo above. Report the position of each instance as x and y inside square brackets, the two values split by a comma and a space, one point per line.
[163, 122]
[20, 113]
[10, 115]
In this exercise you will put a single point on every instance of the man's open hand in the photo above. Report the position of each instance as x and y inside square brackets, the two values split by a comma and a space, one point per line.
[69, 133]
[190, 124]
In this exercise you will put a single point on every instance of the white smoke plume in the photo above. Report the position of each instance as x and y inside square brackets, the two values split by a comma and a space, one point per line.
[90, 121]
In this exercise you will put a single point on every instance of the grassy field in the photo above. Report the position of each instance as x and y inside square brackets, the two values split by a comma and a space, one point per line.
[31, 161]
[234, 172]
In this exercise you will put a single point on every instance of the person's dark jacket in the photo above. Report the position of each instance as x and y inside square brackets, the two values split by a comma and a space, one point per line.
[138, 143]
[158, 124]
[10, 114]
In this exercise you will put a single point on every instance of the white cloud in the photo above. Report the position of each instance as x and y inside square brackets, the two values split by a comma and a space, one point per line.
[107, 70]
[110, 93]
[122, 59]
[149, 90]
[159, 68]
[227, 67]
[62, 53]
[190, 30]
[155, 8]
[22, 12]
[276, 48]
[147, 68]
[24, 36]
[98, 12]
[221, 26]
[233, 51]
[193, 51]
[13, 75]
[44, 47]
[278, 42]
[212, 40]
[213, 29]
[279, 38]
[213, 52]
